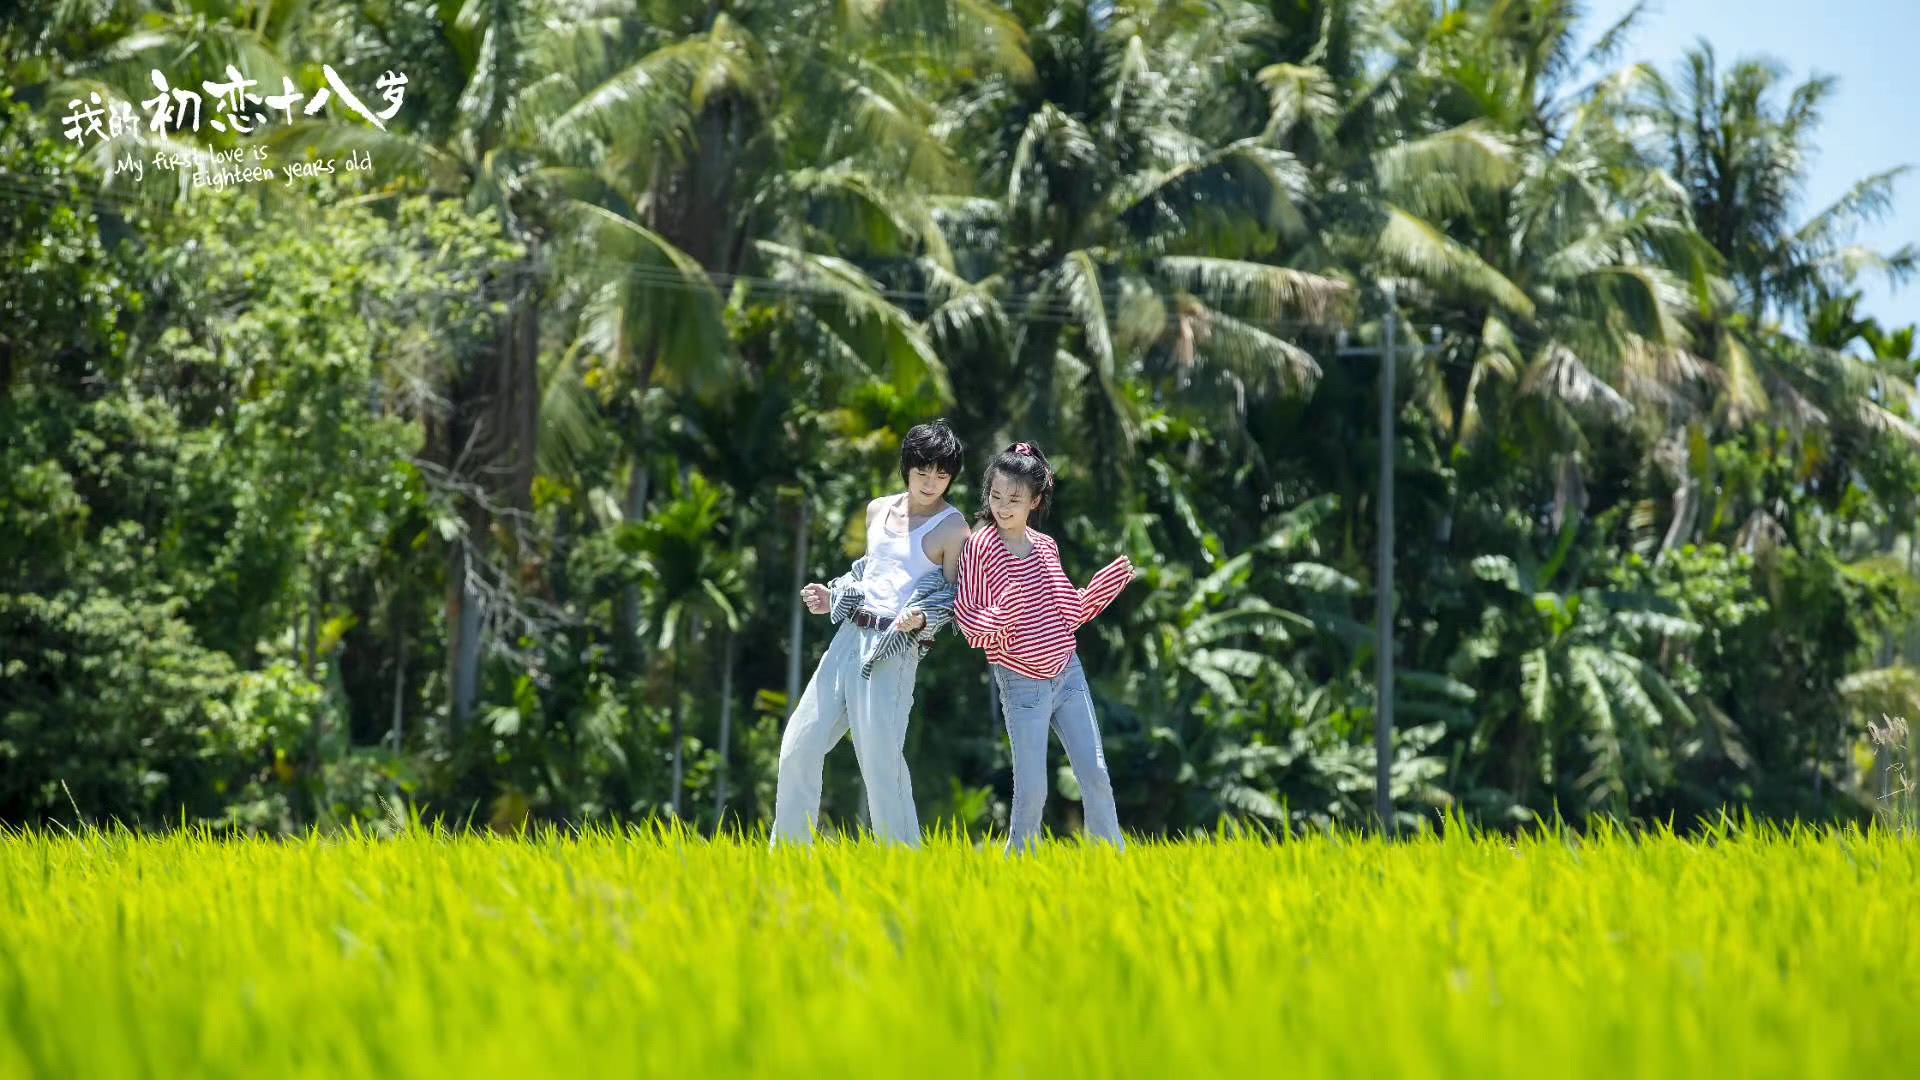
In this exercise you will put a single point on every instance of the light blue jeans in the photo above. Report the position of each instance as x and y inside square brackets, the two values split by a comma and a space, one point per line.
[839, 699]
[1032, 706]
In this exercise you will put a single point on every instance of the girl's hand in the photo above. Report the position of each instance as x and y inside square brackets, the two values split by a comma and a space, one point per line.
[910, 621]
[817, 598]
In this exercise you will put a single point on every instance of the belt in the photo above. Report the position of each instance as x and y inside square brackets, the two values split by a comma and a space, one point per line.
[867, 620]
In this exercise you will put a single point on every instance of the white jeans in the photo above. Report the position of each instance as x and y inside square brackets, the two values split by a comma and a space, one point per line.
[839, 698]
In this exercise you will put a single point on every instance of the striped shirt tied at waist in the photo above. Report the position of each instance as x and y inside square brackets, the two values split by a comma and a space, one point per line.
[932, 595]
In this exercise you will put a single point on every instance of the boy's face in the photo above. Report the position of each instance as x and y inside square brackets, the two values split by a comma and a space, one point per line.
[928, 483]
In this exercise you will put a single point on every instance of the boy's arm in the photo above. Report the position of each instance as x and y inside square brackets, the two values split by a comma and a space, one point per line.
[932, 601]
[934, 594]
[955, 537]
[847, 591]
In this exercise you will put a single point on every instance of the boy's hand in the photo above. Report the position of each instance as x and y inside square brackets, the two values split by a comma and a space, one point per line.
[817, 598]
[910, 621]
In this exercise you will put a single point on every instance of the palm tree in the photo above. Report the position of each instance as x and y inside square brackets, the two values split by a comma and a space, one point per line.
[1740, 153]
[481, 411]
[1106, 239]
[713, 168]
[1736, 141]
[687, 580]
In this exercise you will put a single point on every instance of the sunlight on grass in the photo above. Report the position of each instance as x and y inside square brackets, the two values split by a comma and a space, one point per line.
[1752, 952]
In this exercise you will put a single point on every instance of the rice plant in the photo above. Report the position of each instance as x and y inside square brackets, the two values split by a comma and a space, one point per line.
[1750, 951]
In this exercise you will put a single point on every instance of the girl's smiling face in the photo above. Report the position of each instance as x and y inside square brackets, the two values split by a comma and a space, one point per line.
[1010, 500]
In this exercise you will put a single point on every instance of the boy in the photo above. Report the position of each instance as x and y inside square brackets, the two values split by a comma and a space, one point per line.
[889, 607]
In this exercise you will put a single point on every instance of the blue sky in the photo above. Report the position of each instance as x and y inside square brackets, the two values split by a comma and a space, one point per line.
[1871, 121]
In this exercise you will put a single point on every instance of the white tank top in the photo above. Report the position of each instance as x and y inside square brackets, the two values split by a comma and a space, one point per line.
[895, 562]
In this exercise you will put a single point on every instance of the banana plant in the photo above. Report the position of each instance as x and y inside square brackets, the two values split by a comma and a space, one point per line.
[1597, 713]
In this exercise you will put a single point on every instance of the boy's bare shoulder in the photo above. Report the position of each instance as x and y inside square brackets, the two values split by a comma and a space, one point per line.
[953, 528]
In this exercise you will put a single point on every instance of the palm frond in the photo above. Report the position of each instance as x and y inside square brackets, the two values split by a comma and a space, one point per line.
[1262, 623]
[889, 113]
[647, 104]
[1415, 247]
[1868, 200]
[1259, 360]
[1221, 202]
[1080, 282]
[1746, 394]
[1323, 579]
[571, 429]
[1298, 94]
[1558, 374]
[1051, 140]
[1440, 174]
[1536, 686]
[655, 305]
[1253, 290]
[845, 298]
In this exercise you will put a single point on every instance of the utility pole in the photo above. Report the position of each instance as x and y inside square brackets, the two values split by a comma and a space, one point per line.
[1387, 355]
[1383, 584]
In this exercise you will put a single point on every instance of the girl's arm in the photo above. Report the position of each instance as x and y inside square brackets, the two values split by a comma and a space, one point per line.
[983, 623]
[1104, 587]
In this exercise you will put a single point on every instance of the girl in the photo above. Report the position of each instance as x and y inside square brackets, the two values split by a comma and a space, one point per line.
[1015, 602]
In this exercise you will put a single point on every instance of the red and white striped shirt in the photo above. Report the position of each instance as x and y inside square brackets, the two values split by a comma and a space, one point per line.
[1024, 612]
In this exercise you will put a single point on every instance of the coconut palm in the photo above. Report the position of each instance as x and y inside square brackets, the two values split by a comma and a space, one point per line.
[1103, 239]
[711, 166]
[1736, 141]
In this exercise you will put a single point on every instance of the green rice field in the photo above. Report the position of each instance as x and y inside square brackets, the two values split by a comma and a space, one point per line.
[1750, 952]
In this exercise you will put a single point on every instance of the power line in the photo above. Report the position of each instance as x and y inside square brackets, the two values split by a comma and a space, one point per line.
[1044, 306]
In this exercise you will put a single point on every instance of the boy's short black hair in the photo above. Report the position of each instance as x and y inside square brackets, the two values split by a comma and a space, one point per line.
[932, 445]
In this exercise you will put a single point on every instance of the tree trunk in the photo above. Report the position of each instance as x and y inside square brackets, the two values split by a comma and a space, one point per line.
[1686, 506]
[488, 445]
[463, 645]
[399, 694]
[674, 731]
[1038, 342]
[1383, 584]
[797, 623]
[311, 661]
[627, 626]
[726, 728]
[694, 630]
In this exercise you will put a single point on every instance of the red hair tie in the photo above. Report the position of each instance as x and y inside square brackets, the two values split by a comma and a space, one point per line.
[1023, 448]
